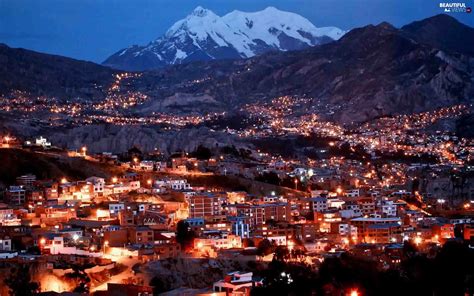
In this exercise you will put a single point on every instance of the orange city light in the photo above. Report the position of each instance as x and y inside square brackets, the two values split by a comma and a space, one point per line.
[354, 293]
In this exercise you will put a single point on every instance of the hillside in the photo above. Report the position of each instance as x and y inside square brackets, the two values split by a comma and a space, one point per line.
[17, 162]
[371, 71]
[51, 75]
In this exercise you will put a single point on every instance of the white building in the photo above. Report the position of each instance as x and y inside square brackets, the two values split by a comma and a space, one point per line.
[347, 230]
[5, 244]
[176, 184]
[389, 209]
[98, 184]
[236, 283]
[115, 208]
[43, 142]
[352, 193]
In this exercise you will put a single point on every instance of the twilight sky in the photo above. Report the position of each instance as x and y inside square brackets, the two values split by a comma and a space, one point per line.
[94, 29]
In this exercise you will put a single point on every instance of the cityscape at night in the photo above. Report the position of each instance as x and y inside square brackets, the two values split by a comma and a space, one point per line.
[236, 148]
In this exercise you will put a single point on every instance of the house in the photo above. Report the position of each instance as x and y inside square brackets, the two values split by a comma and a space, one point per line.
[26, 180]
[5, 244]
[377, 229]
[98, 185]
[237, 283]
[141, 235]
[7, 216]
[217, 240]
[16, 195]
[319, 204]
[204, 205]
[240, 226]
[127, 290]
[115, 208]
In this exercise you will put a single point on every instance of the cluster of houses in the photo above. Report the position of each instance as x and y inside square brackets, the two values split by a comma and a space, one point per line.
[137, 214]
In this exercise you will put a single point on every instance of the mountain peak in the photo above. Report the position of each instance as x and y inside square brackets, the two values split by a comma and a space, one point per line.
[441, 17]
[443, 32]
[386, 26]
[271, 9]
[200, 11]
[203, 35]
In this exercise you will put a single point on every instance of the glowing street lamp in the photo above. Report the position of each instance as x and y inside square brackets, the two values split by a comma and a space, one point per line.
[354, 292]
[106, 244]
[418, 240]
[291, 245]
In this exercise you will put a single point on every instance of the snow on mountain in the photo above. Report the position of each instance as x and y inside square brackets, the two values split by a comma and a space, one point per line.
[203, 35]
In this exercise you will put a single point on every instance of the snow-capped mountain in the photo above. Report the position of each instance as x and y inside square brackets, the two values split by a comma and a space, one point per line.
[203, 35]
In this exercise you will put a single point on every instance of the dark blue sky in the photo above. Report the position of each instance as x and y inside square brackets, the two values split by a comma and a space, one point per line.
[94, 29]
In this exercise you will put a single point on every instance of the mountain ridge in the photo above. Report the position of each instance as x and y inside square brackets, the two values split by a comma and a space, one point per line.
[391, 74]
[203, 36]
[52, 75]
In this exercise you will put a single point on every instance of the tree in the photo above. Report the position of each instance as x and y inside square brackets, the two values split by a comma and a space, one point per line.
[409, 249]
[281, 253]
[202, 153]
[247, 242]
[159, 285]
[265, 247]
[20, 283]
[268, 177]
[184, 236]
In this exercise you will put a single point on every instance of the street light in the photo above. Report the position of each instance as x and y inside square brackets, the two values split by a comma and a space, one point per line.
[418, 240]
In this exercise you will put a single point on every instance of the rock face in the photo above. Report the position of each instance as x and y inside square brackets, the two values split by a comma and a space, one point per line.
[203, 36]
[99, 138]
